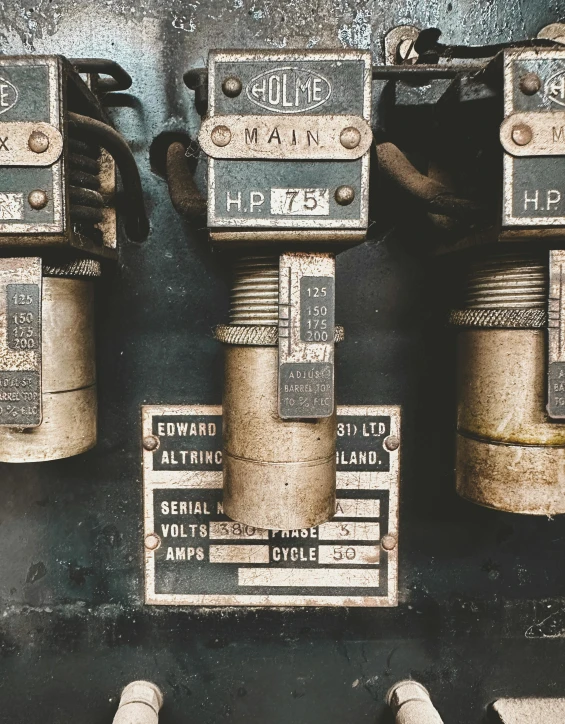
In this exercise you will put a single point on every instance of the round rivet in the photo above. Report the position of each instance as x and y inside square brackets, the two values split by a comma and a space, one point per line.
[221, 135]
[350, 137]
[530, 84]
[151, 442]
[38, 142]
[388, 542]
[232, 86]
[521, 134]
[344, 195]
[152, 541]
[37, 199]
[392, 443]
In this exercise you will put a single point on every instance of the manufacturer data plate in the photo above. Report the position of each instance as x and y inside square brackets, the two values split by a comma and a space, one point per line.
[196, 556]
[533, 194]
[20, 342]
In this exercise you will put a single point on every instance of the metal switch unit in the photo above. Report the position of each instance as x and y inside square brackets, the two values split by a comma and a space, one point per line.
[511, 441]
[287, 136]
[496, 206]
[58, 158]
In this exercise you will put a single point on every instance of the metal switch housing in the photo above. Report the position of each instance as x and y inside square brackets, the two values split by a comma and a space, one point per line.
[287, 137]
[58, 160]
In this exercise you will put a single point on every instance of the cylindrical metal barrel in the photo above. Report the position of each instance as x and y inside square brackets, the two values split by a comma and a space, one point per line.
[69, 405]
[278, 474]
[510, 456]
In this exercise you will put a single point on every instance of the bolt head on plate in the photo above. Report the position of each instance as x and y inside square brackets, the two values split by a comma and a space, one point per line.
[521, 134]
[388, 542]
[350, 137]
[151, 442]
[152, 541]
[37, 199]
[530, 84]
[344, 195]
[392, 443]
[221, 135]
[38, 142]
[232, 86]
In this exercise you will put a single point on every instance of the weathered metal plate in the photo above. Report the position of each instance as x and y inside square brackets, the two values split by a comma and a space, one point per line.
[203, 558]
[288, 138]
[306, 335]
[20, 342]
[556, 336]
[282, 90]
[14, 143]
[32, 98]
[533, 194]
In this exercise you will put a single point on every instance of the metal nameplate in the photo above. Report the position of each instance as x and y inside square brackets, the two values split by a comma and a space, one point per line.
[292, 107]
[283, 138]
[533, 136]
[31, 101]
[306, 335]
[15, 149]
[20, 342]
[556, 336]
[196, 556]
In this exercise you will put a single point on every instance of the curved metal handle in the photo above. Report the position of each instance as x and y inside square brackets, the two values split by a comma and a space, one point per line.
[119, 79]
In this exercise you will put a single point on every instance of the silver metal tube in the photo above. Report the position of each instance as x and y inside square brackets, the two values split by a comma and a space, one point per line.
[140, 703]
[411, 704]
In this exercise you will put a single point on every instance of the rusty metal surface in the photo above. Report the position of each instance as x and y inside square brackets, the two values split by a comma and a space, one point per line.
[481, 592]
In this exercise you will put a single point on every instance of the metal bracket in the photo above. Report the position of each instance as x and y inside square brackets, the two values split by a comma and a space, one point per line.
[556, 336]
[20, 342]
[534, 133]
[333, 137]
[29, 144]
[306, 335]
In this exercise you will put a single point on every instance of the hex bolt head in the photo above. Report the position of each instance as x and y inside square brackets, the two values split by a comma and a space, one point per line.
[38, 142]
[521, 134]
[392, 442]
[344, 195]
[388, 542]
[530, 84]
[350, 137]
[37, 199]
[152, 541]
[221, 135]
[232, 86]
[151, 442]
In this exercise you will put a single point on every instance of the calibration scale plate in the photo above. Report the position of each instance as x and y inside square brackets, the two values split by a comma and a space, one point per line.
[196, 556]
